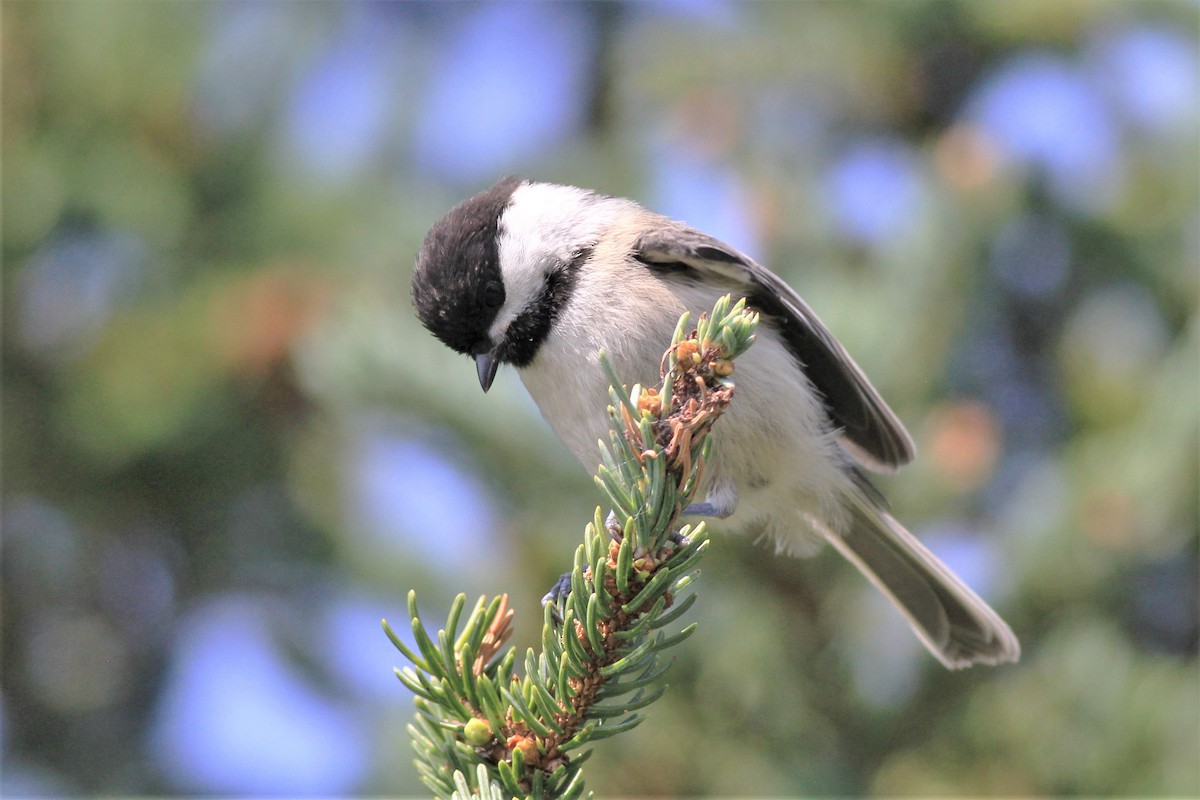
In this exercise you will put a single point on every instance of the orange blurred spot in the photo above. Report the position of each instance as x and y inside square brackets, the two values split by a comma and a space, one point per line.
[964, 444]
[965, 158]
[1108, 517]
[258, 321]
[708, 122]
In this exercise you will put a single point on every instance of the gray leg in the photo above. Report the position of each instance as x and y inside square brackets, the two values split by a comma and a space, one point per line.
[720, 503]
[559, 591]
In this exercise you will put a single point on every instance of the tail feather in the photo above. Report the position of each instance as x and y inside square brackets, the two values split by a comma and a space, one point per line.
[957, 626]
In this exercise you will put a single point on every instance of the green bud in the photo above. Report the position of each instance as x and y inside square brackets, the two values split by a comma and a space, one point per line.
[477, 732]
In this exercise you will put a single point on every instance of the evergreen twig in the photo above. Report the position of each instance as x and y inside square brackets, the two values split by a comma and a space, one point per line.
[481, 729]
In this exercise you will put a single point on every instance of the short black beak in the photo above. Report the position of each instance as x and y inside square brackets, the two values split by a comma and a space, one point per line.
[486, 365]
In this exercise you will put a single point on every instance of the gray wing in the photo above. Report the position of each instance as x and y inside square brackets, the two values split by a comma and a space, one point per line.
[871, 431]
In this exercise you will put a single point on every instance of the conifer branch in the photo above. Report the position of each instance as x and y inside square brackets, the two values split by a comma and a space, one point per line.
[481, 729]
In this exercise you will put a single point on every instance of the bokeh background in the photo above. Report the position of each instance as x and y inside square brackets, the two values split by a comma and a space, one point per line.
[229, 449]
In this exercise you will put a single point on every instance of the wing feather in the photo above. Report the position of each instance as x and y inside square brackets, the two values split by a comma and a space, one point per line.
[871, 431]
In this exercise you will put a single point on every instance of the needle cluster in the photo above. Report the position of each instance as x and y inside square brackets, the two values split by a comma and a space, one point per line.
[484, 730]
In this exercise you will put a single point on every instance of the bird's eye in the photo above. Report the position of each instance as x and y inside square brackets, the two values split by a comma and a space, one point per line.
[493, 294]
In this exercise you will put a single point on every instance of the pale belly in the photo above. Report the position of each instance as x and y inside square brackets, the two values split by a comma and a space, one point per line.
[773, 448]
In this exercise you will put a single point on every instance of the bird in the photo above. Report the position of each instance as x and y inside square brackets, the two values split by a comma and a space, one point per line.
[543, 276]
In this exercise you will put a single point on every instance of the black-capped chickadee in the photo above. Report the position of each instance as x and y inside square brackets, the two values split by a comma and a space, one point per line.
[543, 276]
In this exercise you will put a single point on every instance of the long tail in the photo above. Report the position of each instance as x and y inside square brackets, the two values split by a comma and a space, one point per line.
[950, 619]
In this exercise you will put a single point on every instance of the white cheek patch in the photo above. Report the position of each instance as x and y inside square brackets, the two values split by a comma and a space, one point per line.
[543, 227]
[521, 288]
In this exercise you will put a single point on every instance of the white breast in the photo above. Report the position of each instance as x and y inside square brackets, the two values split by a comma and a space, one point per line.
[773, 447]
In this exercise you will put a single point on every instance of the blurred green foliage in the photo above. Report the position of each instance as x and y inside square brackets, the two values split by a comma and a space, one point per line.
[203, 335]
